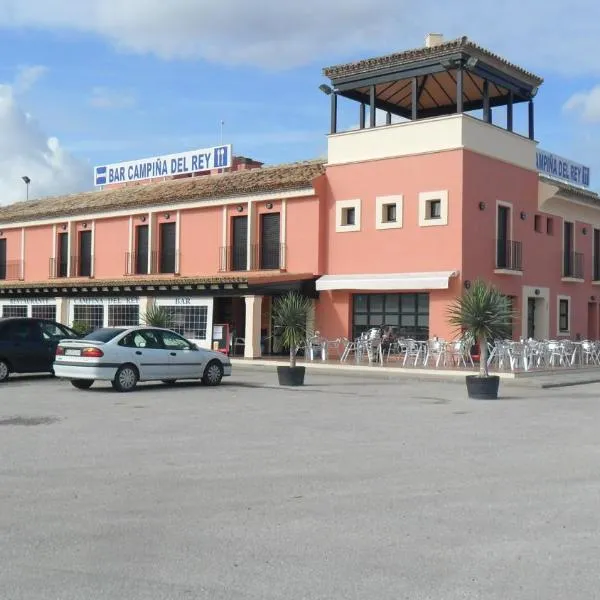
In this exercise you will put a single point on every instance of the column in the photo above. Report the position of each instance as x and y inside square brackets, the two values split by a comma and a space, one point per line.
[531, 121]
[487, 113]
[509, 112]
[145, 302]
[62, 311]
[311, 318]
[372, 109]
[415, 99]
[253, 322]
[334, 100]
[459, 89]
[363, 111]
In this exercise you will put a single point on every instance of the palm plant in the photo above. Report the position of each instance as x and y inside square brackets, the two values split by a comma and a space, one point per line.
[158, 316]
[482, 313]
[290, 313]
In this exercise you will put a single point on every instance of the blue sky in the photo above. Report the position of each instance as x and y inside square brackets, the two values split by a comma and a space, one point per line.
[117, 80]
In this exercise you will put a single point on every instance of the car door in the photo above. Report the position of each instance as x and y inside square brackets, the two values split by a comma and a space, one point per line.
[145, 350]
[185, 359]
[25, 347]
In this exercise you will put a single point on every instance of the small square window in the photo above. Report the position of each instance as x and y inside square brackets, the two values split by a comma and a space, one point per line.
[537, 223]
[349, 216]
[434, 209]
[550, 226]
[389, 213]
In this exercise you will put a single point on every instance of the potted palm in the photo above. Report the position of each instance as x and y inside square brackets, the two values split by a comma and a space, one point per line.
[290, 313]
[482, 313]
[158, 316]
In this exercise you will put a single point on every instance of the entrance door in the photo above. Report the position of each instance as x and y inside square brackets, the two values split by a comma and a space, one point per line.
[167, 248]
[3, 259]
[141, 250]
[63, 255]
[503, 231]
[85, 254]
[239, 259]
[592, 321]
[269, 246]
[531, 318]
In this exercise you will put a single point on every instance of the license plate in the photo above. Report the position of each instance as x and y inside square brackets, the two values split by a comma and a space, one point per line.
[72, 352]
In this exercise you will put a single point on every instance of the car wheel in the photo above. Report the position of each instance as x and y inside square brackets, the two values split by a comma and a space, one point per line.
[213, 373]
[169, 381]
[82, 384]
[125, 379]
[4, 370]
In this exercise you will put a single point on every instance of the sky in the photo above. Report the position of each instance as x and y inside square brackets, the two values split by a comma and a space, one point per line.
[102, 81]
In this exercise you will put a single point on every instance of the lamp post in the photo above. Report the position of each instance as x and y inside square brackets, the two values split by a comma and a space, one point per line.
[27, 182]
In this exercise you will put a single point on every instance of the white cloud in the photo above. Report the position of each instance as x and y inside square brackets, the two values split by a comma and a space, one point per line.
[26, 150]
[27, 77]
[273, 33]
[585, 104]
[103, 97]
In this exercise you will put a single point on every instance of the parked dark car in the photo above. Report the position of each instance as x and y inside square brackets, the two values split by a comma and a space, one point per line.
[29, 345]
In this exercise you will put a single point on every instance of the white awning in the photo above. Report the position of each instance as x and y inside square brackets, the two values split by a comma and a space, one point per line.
[438, 280]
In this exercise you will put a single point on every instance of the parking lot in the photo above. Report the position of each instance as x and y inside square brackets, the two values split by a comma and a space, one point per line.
[347, 488]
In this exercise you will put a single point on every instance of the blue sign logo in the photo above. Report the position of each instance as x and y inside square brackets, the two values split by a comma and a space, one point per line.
[221, 157]
[100, 175]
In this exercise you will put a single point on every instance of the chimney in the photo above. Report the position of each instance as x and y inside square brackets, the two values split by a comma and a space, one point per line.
[434, 39]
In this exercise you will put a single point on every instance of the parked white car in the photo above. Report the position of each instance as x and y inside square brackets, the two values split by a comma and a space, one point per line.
[125, 356]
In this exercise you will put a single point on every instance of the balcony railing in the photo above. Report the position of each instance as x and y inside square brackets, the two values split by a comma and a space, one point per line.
[233, 259]
[137, 263]
[262, 258]
[596, 273]
[509, 255]
[573, 265]
[268, 258]
[76, 266]
[11, 270]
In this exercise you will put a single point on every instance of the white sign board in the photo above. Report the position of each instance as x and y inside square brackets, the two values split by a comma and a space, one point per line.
[558, 167]
[206, 159]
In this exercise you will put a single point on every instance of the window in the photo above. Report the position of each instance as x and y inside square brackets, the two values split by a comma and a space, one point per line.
[550, 226]
[103, 334]
[44, 312]
[142, 339]
[189, 321]
[14, 310]
[537, 223]
[172, 341]
[123, 315]
[347, 215]
[22, 331]
[433, 208]
[406, 314]
[563, 315]
[90, 316]
[389, 212]
[54, 332]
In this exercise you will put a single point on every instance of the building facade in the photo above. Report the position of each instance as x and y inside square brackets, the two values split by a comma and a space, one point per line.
[395, 223]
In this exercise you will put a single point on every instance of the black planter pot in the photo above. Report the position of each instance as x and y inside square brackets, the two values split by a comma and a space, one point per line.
[291, 375]
[483, 388]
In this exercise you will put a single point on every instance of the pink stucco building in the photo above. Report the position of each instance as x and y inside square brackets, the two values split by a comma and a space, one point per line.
[397, 221]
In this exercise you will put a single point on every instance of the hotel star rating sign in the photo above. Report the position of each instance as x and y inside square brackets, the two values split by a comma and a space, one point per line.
[206, 159]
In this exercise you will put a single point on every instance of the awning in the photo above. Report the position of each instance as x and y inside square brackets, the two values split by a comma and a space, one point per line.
[438, 280]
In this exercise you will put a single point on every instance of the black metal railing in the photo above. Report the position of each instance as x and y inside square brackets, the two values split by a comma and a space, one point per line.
[573, 265]
[266, 257]
[58, 268]
[82, 265]
[137, 263]
[233, 258]
[11, 270]
[509, 255]
[262, 258]
[165, 261]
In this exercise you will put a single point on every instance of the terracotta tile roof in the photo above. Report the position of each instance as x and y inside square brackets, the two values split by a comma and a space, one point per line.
[253, 181]
[439, 51]
[566, 189]
[251, 278]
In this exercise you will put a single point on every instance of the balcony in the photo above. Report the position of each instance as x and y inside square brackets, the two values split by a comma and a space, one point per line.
[76, 266]
[144, 263]
[509, 256]
[573, 265]
[11, 270]
[262, 258]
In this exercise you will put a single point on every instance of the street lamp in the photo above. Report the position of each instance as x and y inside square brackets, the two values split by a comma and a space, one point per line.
[27, 182]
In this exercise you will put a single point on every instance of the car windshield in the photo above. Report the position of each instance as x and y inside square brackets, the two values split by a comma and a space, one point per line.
[104, 335]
